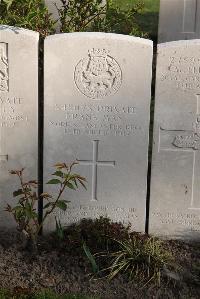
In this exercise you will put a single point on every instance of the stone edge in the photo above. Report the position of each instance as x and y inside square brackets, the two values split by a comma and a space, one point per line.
[179, 43]
[100, 35]
[19, 30]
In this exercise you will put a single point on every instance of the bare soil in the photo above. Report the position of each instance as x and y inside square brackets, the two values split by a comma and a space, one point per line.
[56, 269]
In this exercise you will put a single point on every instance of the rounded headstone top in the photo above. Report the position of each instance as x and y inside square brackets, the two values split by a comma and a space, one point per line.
[101, 35]
[18, 30]
[180, 43]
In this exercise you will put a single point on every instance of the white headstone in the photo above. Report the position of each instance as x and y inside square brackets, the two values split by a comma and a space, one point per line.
[18, 110]
[175, 185]
[97, 98]
[179, 20]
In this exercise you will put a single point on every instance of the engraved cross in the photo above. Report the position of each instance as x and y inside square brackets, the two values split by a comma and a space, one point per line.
[186, 141]
[189, 16]
[95, 163]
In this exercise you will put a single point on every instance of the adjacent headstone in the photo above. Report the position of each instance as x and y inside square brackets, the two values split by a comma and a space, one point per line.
[18, 110]
[175, 181]
[97, 100]
[179, 20]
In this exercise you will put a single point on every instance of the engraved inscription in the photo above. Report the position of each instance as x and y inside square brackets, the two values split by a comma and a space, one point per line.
[77, 212]
[95, 163]
[190, 143]
[97, 120]
[183, 71]
[99, 75]
[11, 112]
[191, 221]
[4, 67]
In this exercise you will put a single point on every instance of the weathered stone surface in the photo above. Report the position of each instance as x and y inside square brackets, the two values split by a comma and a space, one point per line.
[97, 98]
[179, 20]
[18, 110]
[175, 186]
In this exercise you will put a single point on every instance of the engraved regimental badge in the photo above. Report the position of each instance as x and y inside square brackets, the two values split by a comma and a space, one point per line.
[98, 75]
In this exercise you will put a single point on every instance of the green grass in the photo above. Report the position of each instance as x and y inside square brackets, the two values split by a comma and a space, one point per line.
[148, 20]
[42, 295]
[150, 5]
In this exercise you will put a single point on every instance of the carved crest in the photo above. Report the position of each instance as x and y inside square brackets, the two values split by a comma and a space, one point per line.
[189, 141]
[98, 75]
[3, 67]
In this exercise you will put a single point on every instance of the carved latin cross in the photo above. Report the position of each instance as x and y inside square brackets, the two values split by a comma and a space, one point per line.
[95, 163]
[187, 141]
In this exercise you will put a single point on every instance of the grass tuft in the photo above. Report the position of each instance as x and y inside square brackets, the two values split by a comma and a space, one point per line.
[141, 258]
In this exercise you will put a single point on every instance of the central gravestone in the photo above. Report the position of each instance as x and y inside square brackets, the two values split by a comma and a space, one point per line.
[175, 181]
[97, 100]
[18, 111]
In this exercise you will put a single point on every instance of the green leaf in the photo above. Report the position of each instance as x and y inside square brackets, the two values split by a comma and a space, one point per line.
[17, 192]
[27, 189]
[19, 212]
[59, 229]
[28, 210]
[91, 258]
[58, 173]
[32, 15]
[61, 204]
[9, 3]
[17, 208]
[75, 182]
[54, 182]
[70, 186]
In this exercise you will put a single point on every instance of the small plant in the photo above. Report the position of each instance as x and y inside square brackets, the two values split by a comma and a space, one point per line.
[95, 15]
[74, 16]
[91, 258]
[99, 234]
[140, 257]
[79, 15]
[29, 14]
[25, 213]
[59, 230]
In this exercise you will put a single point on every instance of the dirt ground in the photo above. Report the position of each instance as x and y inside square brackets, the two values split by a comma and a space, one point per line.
[57, 270]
